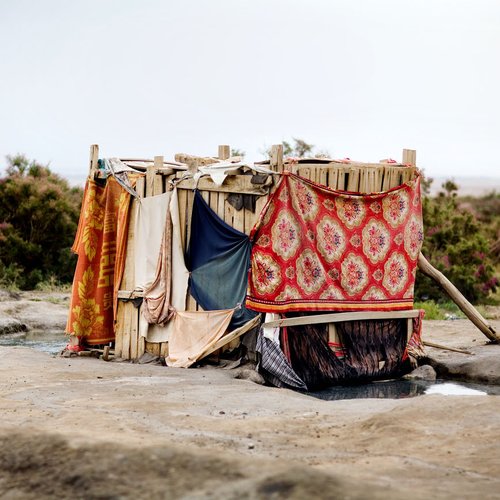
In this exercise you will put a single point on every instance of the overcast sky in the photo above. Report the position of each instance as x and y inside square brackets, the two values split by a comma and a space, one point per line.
[358, 78]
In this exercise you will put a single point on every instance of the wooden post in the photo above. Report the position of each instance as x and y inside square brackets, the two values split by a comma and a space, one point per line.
[224, 152]
[276, 160]
[409, 157]
[94, 157]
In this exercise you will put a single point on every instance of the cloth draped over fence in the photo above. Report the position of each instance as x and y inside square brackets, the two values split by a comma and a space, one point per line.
[100, 244]
[194, 332]
[165, 284]
[218, 257]
[317, 249]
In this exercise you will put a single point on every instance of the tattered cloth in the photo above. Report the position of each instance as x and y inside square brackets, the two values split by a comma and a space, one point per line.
[218, 258]
[100, 244]
[317, 249]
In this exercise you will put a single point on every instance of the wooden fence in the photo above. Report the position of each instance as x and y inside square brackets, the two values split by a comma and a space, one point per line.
[350, 176]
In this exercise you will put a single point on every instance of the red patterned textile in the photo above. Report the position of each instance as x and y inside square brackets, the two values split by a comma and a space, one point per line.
[317, 249]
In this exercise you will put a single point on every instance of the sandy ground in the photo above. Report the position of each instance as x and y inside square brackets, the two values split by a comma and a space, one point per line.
[84, 428]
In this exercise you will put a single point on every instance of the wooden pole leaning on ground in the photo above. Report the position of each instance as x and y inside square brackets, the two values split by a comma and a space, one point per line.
[466, 307]
[409, 158]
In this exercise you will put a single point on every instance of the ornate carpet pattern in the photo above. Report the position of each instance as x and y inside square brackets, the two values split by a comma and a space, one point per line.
[317, 249]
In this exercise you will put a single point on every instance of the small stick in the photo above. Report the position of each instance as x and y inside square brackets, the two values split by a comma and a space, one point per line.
[454, 349]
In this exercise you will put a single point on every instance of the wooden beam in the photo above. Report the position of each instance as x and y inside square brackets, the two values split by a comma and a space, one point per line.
[224, 152]
[232, 336]
[276, 160]
[240, 184]
[193, 162]
[466, 307]
[347, 316]
[94, 157]
[409, 157]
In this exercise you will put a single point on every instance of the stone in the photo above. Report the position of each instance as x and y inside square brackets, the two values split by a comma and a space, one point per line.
[424, 372]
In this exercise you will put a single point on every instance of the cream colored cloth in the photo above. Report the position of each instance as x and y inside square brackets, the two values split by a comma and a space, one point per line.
[194, 333]
[151, 214]
[171, 280]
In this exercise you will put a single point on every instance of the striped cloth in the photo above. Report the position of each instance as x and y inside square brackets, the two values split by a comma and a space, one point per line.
[274, 366]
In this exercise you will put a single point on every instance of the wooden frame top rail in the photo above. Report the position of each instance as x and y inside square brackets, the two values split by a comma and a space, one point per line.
[337, 317]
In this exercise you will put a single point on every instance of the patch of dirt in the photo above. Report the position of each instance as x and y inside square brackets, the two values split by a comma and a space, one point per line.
[35, 466]
[84, 428]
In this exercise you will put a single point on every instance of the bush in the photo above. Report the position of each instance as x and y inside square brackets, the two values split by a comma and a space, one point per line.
[457, 244]
[39, 214]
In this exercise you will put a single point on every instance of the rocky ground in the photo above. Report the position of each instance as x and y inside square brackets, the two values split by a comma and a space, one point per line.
[84, 428]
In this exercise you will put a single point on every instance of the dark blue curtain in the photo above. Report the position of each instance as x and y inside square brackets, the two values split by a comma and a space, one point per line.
[218, 258]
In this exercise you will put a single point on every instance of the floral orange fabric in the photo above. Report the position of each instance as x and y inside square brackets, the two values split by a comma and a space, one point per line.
[317, 249]
[100, 244]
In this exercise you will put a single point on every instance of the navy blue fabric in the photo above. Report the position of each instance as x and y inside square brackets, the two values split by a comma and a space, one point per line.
[210, 235]
[218, 257]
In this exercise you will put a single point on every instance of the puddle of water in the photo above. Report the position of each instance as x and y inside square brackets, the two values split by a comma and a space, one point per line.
[49, 342]
[400, 389]
[449, 389]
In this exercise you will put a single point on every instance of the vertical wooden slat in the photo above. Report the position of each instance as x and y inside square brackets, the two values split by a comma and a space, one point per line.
[126, 315]
[164, 349]
[214, 201]
[249, 218]
[304, 172]
[323, 175]
[119, 330]
[182, 198]
[221, 205]
[94, 157]
[276, 160]
[150, 179]
[341, 178]
[239, 219]
[353, 179]
[386, 179]
[140, 187]
[134, 329]
[128, 307]
[333, 176]
[228, 213]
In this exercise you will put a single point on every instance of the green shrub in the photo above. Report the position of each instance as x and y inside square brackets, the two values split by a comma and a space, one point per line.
[432, 310]
[39, 214]
[457, 244]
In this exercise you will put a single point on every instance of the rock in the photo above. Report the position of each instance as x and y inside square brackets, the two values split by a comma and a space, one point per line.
[33, 310]
[424, 372]
[8, 295]
[11, 325]
[249, 374]
[149, 359]
[483, 367]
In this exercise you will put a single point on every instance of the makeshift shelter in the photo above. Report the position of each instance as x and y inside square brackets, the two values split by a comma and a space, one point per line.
[164, 249]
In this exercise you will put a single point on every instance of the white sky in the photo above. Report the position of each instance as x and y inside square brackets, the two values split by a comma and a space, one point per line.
[359, 78]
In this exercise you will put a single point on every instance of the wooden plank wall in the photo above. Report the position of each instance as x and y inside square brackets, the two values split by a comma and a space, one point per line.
[352, 177]
[360, 178]
[129, 344]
